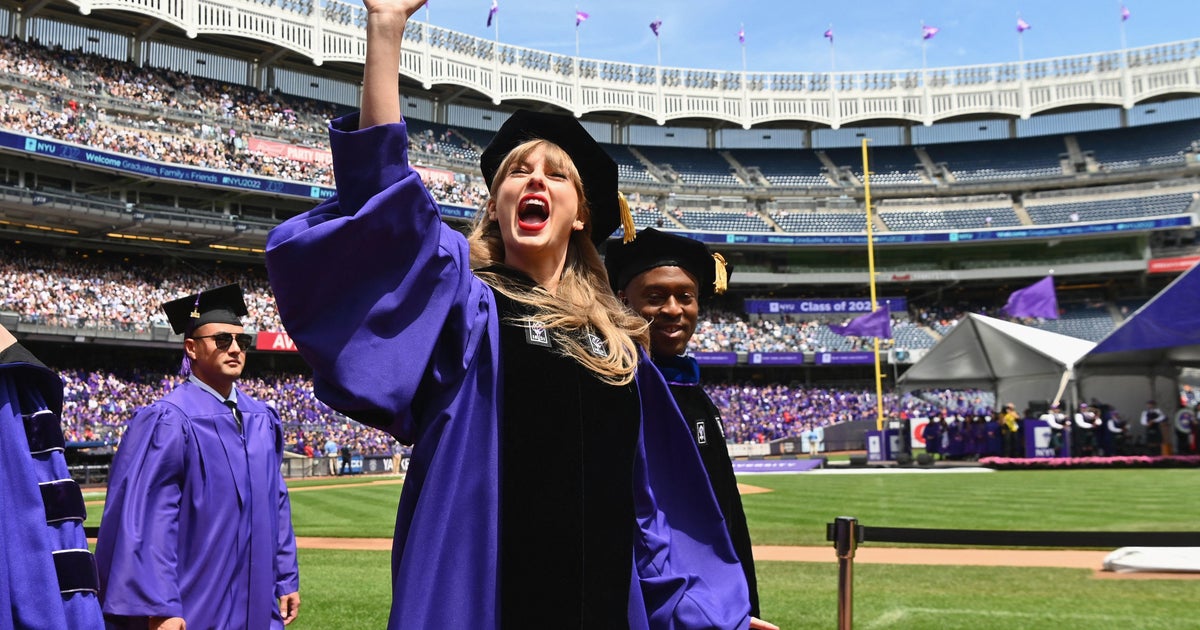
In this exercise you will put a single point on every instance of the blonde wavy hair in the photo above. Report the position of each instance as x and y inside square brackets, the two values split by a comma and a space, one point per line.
[584, 302]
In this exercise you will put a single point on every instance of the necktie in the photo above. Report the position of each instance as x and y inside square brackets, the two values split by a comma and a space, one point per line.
[237, 414]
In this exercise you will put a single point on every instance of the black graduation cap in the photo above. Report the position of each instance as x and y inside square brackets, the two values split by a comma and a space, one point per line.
[652, 249]
[597, 170]
[223, 305]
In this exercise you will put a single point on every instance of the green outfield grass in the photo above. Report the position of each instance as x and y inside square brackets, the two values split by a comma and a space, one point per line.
[352, 588]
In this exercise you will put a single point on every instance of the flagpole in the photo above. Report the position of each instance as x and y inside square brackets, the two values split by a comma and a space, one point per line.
[834, 113]
[1126, 79]
[577, 98]
[1020, 44]
[743, 43]
[832, 53]
[871, 275]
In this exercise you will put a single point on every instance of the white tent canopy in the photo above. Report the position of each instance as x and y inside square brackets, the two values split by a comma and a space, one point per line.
[1019, 363]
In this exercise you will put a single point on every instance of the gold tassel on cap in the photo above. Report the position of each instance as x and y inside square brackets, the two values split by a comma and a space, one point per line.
[722, 281]
[627, 225]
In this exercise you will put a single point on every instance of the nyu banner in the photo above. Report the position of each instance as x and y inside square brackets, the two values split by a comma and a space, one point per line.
[845, 358]
[824, 306]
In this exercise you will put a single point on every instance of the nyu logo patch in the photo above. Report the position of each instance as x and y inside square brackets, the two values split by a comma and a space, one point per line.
[597, 345]
[536, 335]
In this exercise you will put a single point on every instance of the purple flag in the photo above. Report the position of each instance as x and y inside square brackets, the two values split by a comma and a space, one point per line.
[492, 12]
[1022, 25]
[829, 34]
[654, 26]
[1124, 13]
[580, 18]
[927, 32]
[877, 323]
[742, 35]
[1035, 300]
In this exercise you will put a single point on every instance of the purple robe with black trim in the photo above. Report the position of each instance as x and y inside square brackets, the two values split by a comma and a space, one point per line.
[197, 522]
[379, 297]
[47, 575]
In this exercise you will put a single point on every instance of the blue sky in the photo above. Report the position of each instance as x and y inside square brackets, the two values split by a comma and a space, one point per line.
[787, 35]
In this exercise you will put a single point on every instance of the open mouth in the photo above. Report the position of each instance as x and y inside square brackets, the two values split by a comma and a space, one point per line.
[532, 213]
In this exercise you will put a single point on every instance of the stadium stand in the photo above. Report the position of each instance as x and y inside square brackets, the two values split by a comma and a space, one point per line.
[179, 118]
[996, 160]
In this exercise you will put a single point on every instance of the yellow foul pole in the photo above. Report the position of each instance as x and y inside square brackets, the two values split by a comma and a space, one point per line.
[871, 275]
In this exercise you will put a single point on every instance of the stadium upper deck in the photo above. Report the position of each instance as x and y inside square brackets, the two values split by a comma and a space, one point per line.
[731, 190]
[330, 33]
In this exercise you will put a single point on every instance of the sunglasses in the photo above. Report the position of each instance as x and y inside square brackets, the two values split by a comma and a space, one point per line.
[224, 340]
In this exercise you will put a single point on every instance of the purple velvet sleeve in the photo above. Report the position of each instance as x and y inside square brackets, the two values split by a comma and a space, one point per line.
[375, 290]
[138, 559]
[378, 295]
[690, 575]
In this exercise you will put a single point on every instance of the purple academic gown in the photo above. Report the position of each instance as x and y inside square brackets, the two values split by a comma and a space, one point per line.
[197, 523]
[47, 574]
[379, 297]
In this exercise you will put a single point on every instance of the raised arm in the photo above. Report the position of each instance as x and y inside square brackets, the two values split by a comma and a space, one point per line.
[386, 20]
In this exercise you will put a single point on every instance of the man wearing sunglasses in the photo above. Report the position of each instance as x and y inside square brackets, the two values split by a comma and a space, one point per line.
[197, 529]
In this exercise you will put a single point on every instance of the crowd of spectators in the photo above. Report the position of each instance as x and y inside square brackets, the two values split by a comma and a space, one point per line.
[220, 117]
[109, 292]
[761, 413]
[98, 404]
[115, 292]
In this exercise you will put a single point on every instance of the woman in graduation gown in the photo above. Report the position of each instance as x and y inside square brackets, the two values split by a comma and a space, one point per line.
[552, 481]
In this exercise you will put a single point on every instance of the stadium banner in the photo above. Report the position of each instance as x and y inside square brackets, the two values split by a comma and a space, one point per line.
[274, 342]
[1171, 265]
[845, 358]
[898, 238]
[775, 465]
[1039, 438]
[824, 306]
[776, 358]
[434, 174]
[289, 151]
[716, 358]
[148, 168]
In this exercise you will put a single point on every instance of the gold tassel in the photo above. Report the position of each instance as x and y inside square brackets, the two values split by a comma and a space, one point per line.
[722, 281]
[627, 225]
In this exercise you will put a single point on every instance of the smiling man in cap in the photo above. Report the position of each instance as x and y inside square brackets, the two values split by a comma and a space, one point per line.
[197, 529]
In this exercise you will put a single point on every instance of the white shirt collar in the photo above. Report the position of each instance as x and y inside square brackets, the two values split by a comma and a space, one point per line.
[202, 385]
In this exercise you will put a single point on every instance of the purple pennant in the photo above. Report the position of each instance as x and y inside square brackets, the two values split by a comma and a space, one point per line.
[829, 34]
[1022, 25]
[580, 17]
[927, 32]
[877, 323]
[742, 36]
[654, 26]
[1035, 300]
[492, 12]
[1124, 13]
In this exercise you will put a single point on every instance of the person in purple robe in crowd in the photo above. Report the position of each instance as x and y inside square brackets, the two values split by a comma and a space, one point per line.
[47, 575]
[664, 278]
[197, 530]
[932, 434]
[553, 482]
[955, 429]
[993, 443]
